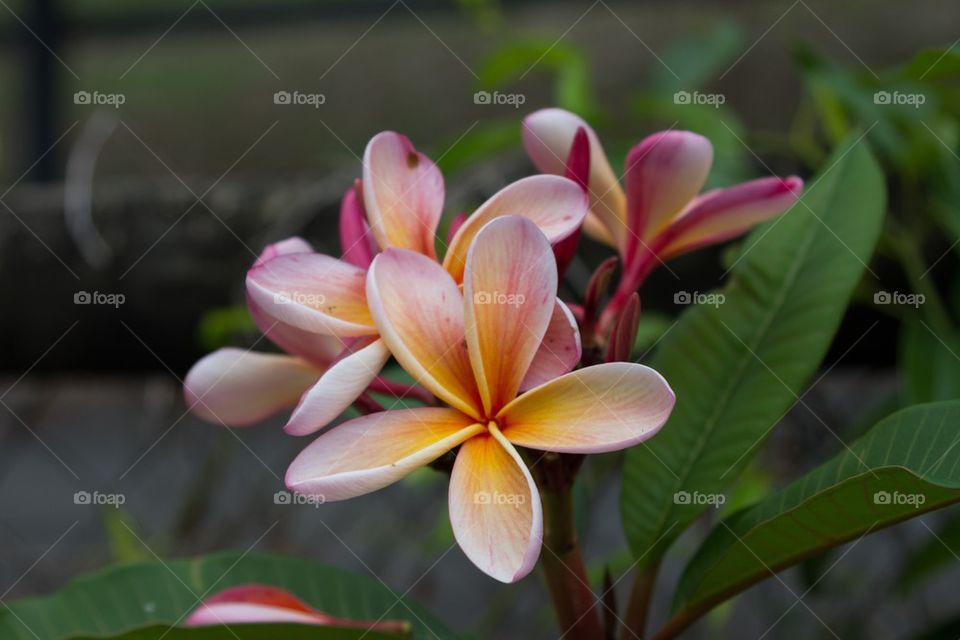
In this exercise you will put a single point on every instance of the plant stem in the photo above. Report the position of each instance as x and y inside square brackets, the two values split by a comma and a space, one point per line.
[562, 561]
[639, 604]
[676, 625]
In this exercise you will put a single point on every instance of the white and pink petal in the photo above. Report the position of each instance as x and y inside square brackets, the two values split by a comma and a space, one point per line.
[403, 194]
[596, 409]
[338, 387]
[509, 289]
[559, 351]
[495, 507]
[418, 310]
[238, 388]
[548, 136]
[557, 205]
[312, 292]
[371, 452]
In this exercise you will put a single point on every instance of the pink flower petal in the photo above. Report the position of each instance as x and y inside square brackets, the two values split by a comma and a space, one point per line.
[559, 351]
[290, 245]
[356, 238]
[722, 214]
[239, 388]
[663, 174]
[509, 289]
[255, 603]
[403, 194]
[495, 508]
[337, 388]
[313, 292]
[376, 450]
[602, 408]
[548, 137]
[418, 310]
[555, 204]
[320, 350]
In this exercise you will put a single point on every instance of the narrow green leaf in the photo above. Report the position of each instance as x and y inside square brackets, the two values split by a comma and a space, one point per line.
[907, 465]
[132, 601]
[737, 367]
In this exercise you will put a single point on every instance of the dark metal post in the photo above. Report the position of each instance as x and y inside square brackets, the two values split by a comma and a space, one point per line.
[40, 79]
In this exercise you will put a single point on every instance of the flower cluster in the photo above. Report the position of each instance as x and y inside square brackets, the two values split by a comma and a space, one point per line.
[496, 355]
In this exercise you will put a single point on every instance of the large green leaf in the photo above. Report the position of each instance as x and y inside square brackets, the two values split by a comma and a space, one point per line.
[134, 601]
[737, 367]
[907, 465]
[930, 368]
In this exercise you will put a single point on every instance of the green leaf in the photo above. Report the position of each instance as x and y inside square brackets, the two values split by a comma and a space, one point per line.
[125, 546]
[571, 71]
[930, 366]
[693, 62]
[934, 64]
[905, 466]
[737, 367]
[133, 601]
[220, 327]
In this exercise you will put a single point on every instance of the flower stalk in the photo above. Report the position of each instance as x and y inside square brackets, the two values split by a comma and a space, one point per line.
[564, 569]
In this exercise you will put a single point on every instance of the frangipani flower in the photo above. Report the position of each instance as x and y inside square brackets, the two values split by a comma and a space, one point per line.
[239, 387]
[401, 205]
[472, 349]
[661, 213]
[261, 604]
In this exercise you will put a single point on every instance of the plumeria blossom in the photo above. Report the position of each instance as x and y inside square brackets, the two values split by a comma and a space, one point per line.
[237, 387]
[398, 204]
[472, 347]
[659, 213]
[262, 604]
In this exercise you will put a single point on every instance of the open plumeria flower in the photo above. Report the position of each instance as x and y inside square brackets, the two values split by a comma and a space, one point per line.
[307, 301]
[472, 348]
[239, 387]
[661, 213]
